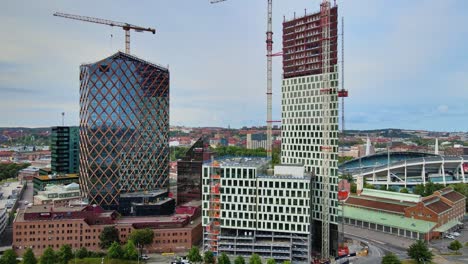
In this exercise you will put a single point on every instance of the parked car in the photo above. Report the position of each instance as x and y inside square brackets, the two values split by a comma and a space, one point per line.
[455, 234]
[144, 257]
[449, 236]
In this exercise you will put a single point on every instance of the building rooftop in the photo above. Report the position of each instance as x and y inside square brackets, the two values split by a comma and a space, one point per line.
[247, 162]
[403, 197]
[153, 193]
[388, 219]
[375, 204]
[56, 177]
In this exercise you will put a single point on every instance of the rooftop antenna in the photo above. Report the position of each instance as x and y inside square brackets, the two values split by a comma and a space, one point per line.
[63, 118]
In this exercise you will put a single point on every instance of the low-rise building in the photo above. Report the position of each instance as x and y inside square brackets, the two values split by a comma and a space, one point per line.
[28, 174]
[41, 226]
[406, 215]
[41, 181]
[58, 195]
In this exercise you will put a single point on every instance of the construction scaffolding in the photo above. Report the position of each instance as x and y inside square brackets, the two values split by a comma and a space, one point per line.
[213, 230]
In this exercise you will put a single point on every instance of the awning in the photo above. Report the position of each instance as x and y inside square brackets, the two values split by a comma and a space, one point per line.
[443, 228]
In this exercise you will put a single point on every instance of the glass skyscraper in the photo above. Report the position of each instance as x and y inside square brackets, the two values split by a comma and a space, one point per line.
[124, 126]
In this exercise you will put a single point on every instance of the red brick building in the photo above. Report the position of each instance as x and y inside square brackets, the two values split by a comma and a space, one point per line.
[41, 226]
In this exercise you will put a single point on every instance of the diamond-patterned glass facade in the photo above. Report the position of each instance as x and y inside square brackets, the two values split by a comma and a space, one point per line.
[124, 126]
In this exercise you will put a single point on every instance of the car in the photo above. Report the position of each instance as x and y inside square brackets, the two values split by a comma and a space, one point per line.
[144, 257]
[450, 236]
[26, 202]
[455, 234]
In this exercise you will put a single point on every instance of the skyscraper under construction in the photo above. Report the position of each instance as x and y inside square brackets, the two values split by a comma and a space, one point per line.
[124, 126]
[309, 70]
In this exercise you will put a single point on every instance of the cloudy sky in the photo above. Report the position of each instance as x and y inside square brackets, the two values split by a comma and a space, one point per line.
[406, 62]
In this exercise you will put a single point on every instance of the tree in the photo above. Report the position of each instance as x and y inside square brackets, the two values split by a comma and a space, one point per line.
[353, 188]
[108, 235]
[390, 259]
[130, 251]
[419, 252]
[224, 259]
[65, 254]
[8, 257]
[115, 251]
[255, 259]
[28, 257]
[419, 189]
[81, 253]
[404, 190]
[49, 256]
[239, 260]
[209, 257]
[455, 246]
[271, 261]
[142, 237]
[286, 262]
[194, 255]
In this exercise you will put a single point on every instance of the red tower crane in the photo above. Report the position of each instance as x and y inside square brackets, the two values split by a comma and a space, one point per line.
[125, 26]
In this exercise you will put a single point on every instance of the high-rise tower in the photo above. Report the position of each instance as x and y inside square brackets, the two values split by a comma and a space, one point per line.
[64, 147]
[124, 126]
[308, 137]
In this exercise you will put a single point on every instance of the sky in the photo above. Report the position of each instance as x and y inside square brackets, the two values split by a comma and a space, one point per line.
[406, 62]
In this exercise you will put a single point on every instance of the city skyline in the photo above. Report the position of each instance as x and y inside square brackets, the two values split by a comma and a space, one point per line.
[216, 55]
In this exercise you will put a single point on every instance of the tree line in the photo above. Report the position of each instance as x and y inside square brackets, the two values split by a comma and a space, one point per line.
[209, 258]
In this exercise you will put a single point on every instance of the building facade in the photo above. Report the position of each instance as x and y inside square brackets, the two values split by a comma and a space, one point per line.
[189, 171]
[302, 133]
[58, 195]
[245, 211]
[64, 149]
[406, 215]
[39, 227]
[124, 126]
[255, 141]
[40, 182]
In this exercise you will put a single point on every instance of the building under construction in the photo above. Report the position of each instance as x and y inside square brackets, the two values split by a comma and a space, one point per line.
[310, 115]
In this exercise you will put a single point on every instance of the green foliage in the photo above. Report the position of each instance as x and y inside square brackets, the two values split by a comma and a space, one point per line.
[353, 188]
[419, 252]
[142, 237]
[194, 254]
[455, 245]
[224, 259]
[239, 260]
[177, 152]
[390, 259]
[344, 159]
[209, 258]
[255, 259]
[130, 251]
[82, 253]
[28, 257]
[108, 235]
[65, 254]
[286, 262]
[115, 251]
[404, 190]
[271, 261]
[276, 156]
[98, 260]
[428, 189]
[49, 256]
[10, 170]
[8, 257]
[239, 151]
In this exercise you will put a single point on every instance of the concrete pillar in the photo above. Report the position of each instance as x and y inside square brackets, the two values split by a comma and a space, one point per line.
[406, 173]
[442, 168]
[423, 172]
[462, 171]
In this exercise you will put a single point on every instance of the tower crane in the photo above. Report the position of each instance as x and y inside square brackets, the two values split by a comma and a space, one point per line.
[269, 93]
[125, 26]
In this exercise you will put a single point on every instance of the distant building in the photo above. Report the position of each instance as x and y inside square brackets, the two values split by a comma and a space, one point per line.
[39, 227]
[28, 174]
[245, 211]
[58, 195]
[65, 149]
[124, 128]
[40, 182]
[255, 141]
[406, 215]
[189, 171]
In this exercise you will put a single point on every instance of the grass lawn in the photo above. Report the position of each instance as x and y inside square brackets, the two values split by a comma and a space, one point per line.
[8, 180]
[98, 261]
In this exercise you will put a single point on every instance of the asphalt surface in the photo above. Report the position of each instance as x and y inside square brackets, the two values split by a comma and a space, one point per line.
[27, 196]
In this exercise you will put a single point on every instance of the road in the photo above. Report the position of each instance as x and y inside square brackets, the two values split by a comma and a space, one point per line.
[27, 195]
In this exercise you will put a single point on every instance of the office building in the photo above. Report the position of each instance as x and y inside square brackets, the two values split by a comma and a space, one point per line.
[124, 126]
[189, 171]
[64, 148]
[246, 211]
[40, 182]
[41, 226]
[58, 195]
[255, 141]
[303, 124]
